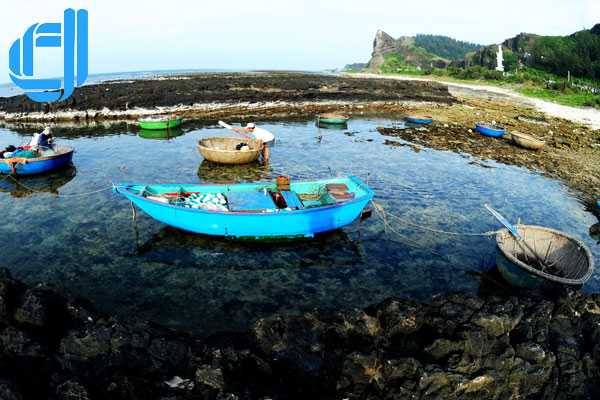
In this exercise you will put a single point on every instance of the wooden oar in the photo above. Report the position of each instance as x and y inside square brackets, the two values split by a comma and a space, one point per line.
[231, 128]
[515, 232]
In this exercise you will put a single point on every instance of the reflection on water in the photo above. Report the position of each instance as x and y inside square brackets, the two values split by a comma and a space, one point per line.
[24, 186]
[210, 172]
[336, 127]
[91, 245]
[160, 134]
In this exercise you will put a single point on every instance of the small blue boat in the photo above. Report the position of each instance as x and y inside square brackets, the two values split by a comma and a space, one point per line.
[40, 165]
[419, 119]
[253, 210]
[490, 129]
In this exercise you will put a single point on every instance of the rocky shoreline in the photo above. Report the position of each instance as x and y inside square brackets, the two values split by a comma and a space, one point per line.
[226, 94]
[458, 347]
[571, 152]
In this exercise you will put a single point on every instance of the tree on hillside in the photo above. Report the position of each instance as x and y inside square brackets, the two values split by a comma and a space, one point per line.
[578, 53]
[445, 47]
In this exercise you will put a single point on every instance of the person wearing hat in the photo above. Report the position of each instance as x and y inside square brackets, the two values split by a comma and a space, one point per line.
[39, 141]
[43, 139]
[261, 134]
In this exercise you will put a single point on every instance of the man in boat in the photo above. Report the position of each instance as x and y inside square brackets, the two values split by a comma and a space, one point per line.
[261, 134]
[43, 139]
[39, 141]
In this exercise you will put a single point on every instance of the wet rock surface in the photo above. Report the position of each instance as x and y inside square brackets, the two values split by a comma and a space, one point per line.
[230, 89]
[458, 347]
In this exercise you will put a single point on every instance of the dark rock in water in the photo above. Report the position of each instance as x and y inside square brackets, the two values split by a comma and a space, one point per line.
[8, 391]
[71, 391]
[231, 89]
[33, 308]
[56, 347]
[209, 381]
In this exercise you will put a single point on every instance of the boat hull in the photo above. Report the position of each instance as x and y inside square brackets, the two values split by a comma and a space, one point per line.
[222, 150]
[419, 120]
[520, 278]
[334, 119]
[337, 121]
[304, 223]
[160, 125]
[42, 165]
[489, 131]
[526, 141]
[332, 126]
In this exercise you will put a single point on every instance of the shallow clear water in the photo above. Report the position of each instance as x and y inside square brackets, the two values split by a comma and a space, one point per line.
[91, 246]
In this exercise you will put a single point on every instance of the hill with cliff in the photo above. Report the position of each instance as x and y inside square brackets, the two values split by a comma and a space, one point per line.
[421, 51]
[577, 54]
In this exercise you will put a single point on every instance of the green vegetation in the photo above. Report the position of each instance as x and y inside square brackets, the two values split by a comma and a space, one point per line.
[445, 46]
[356, 67]
[578, 53]
[527, 81]
[392, 64]
[395, 64]
[576, 99]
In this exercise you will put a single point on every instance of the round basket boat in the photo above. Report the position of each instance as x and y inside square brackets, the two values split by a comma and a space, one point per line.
[526, 141]
[223, 150]
[61, 157]
[332, 118]
[568, 259]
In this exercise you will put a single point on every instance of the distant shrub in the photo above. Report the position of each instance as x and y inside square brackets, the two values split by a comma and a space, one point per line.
[392, 63]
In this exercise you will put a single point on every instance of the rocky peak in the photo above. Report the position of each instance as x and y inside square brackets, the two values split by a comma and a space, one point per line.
[383, 43]
[521, 43]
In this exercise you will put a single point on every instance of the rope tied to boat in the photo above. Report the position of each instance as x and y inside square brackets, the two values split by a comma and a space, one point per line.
[58, 194]
[405, 240]
[385, 214]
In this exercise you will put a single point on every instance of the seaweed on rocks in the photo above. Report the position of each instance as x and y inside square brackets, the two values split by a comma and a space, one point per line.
[209, 95]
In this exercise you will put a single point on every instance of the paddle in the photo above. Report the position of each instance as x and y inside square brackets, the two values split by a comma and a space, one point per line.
[231, 128]
[514, 231]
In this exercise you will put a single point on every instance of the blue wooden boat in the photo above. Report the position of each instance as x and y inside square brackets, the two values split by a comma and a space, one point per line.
[254, 210]
[62, 157]
[419, 119]
[490, 129]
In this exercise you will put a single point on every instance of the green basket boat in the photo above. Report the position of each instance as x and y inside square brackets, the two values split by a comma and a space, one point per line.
[331, 118]
[158, 122]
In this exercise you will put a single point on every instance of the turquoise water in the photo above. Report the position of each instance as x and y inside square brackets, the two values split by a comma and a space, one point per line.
[91, 246]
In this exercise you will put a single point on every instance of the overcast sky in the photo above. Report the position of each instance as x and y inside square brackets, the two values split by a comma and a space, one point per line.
[277, 34]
